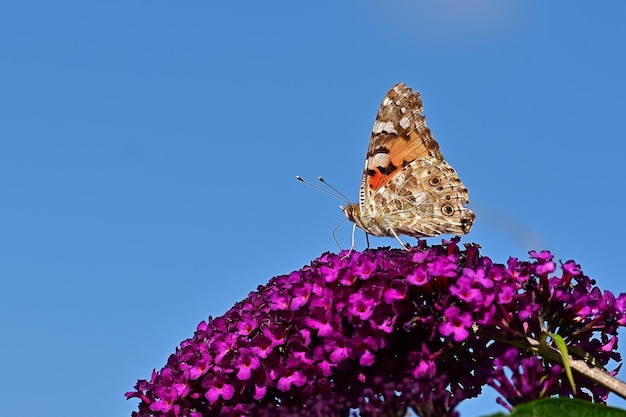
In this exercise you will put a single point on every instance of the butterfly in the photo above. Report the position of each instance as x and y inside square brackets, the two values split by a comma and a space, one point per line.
[407, 188]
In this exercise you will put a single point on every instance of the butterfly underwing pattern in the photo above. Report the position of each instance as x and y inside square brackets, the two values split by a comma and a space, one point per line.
[407, 188]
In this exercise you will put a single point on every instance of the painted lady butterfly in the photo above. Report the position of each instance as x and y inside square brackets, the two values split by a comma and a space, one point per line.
[407, 187]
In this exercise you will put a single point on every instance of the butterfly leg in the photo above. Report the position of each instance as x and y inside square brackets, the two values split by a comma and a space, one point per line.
[367, 239]
[393, 232]
[352, 245]
[353, 232]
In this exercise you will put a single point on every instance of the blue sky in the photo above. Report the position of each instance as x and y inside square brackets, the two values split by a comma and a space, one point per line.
[148, 153]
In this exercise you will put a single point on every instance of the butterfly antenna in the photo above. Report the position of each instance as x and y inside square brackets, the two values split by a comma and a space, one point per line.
[323, 181]
[336, 194]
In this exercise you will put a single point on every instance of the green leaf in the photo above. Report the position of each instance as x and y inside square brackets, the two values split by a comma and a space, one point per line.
[551, 407]
[562, 346]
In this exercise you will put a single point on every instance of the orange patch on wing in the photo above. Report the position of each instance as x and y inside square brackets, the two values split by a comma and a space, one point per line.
[401, 152]
[376, 180]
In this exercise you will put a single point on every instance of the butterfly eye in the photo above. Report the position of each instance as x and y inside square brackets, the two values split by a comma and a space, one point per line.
[434, 181]
[448, 210]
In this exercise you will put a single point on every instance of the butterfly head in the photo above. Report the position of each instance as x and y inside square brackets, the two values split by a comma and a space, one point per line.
[351, 211]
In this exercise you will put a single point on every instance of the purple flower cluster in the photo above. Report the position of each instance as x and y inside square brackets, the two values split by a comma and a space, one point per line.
[386, 331]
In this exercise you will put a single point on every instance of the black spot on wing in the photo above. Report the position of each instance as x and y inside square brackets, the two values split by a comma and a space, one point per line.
[388, 169]
[378, 150]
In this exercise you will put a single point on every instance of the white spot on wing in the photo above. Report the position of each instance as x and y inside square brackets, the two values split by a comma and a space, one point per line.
[381, 126]
[387, 101]
[379, 160]
[405, 122]
[419, 197]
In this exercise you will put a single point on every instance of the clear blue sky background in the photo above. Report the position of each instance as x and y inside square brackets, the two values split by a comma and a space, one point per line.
[148, 152]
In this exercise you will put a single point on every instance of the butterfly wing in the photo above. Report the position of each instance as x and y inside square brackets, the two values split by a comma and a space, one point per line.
[406, 186]
[399, 136]
[425, 198]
